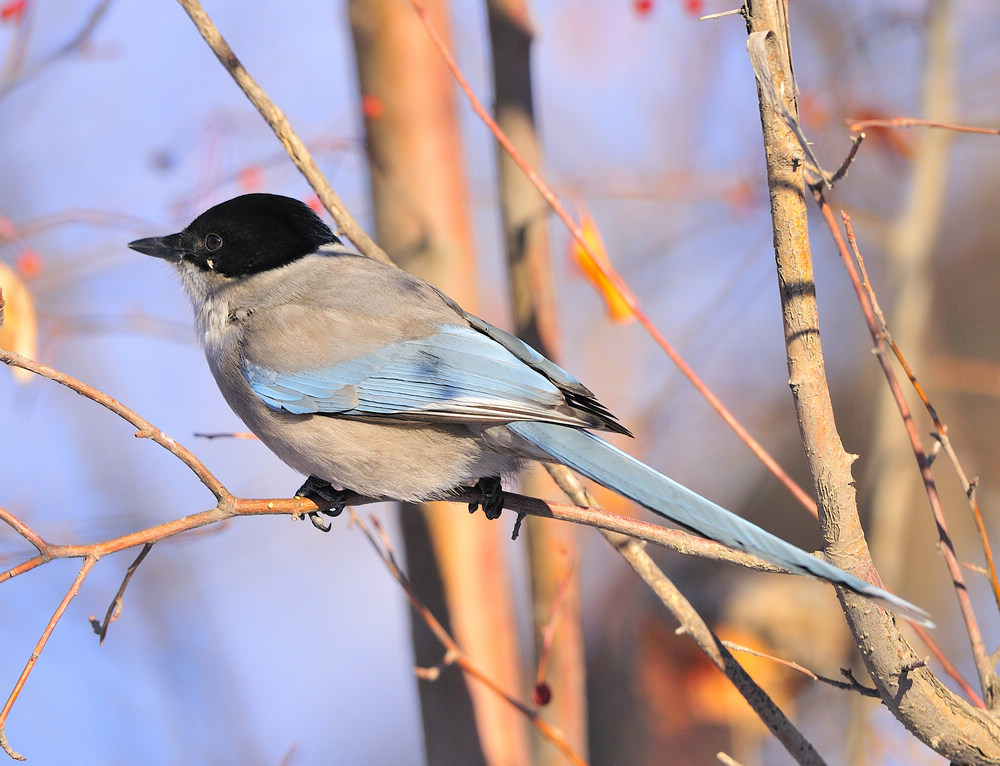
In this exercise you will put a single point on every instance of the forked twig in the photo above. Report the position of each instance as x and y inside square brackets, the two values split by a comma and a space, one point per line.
[454, 653]
[985, 673]
[115, 608]
[940, 429]
[852, 684]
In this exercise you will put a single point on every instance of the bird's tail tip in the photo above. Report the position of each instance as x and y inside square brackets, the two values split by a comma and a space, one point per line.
[902, 608]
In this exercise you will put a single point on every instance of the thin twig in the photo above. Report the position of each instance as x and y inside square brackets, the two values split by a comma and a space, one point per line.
[75, 43]
[115, 608]
[74, 589]
[849, 159]
[941, 430]
[946, 663]
[455, 655]
[24, 531]
[913, 122]
[986, 675]
[548, 631]
[146, 429]
[276, 119]
[741, 11]
[851, 685]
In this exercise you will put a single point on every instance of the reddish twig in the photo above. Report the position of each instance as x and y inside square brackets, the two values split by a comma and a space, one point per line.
[454, 653]
[550, 198]
[146, 429]
[88, 564]
[941, 430]
[850, 685]
[930, 486]
[913, 122]
[542, 691]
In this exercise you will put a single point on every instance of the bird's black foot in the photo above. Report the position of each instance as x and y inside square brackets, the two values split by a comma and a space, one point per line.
[491, 489]
[321, 491]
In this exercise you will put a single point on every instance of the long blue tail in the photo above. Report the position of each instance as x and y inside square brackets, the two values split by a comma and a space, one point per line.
[622, 473]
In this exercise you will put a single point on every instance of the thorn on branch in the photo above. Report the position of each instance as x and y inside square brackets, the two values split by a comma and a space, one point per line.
[741, 11]
[915, 664]
[428, 674]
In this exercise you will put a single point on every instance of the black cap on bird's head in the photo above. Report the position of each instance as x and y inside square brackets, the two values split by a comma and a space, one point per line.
[244, 236]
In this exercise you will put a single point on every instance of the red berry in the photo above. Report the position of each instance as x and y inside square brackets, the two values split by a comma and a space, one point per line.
[642, 7]
[13, 11]
[372, 106]
[542, 694]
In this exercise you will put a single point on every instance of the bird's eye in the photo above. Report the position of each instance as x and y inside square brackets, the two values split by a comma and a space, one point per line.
[213, 242]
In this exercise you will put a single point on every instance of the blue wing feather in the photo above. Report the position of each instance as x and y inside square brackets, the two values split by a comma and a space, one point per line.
[459, 372]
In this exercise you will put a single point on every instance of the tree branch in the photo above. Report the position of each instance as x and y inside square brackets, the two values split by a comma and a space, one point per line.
[278, 122]
[939, 718]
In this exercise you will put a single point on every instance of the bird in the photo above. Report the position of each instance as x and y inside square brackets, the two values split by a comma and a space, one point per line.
[367, 379]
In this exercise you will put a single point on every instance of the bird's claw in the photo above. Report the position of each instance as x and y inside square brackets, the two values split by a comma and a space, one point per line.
[321, 491]
[492, 499]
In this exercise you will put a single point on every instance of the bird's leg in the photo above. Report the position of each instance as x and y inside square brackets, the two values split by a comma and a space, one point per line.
[320, 490]
[491, 490]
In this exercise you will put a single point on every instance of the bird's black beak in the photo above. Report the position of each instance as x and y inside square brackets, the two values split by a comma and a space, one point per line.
[168, 248]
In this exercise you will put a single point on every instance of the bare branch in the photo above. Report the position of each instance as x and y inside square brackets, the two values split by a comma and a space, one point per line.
[278, 122]
[941, 430]
[74, 589]
[913, 122]
[115, 609]
[146, 429]
[455, 655]
[916, 697]
[851, 684]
